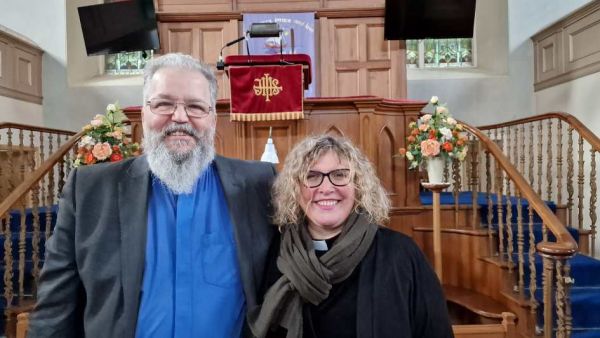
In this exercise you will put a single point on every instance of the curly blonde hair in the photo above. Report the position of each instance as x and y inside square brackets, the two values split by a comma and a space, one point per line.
[371, 198]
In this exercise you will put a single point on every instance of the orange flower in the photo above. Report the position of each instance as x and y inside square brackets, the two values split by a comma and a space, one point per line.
[432, 134]
[89, 158]
[415, 132]
[115, 157]
[447, 146]
[460, 142]
[411, 139]
[402, 151]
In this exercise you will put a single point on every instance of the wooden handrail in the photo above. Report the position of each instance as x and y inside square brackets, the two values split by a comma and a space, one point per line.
[565, 245]
[37, 175]
[587, 134]
[35, 128]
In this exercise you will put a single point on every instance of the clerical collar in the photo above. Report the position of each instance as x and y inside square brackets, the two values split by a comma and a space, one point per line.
[324, 244]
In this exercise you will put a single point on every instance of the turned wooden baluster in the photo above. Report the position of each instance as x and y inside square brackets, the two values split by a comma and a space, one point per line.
[580, 181]
[456, 177]
[559, 164]
[540, 141]
[35, 213]
[570, 171]
[61, 165]
[563, 303]
[549, 162]
[593, 193]
[490, 204]
[547, 278]
[8, 250]
[509, 230]
[499, 193]
[49, 196]
[532, 267]
[474, 183]
[22, 223]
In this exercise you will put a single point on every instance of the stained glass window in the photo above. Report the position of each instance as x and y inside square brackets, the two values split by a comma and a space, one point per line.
[439, 53]
[128, 63]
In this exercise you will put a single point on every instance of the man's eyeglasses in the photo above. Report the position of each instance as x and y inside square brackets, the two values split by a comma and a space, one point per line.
[168, 107]
[338, 177]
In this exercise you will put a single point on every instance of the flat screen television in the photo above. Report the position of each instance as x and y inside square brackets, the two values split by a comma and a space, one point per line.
[124, 26]
[429, 19]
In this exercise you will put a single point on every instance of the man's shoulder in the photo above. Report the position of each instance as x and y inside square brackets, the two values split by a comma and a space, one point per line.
[243, 167]
[106, 169]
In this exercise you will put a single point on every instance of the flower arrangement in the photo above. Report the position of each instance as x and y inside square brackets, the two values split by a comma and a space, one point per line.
[434, 135]
[104, 139]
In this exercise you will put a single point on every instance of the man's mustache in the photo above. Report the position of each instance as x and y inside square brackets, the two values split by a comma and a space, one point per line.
[185, 128]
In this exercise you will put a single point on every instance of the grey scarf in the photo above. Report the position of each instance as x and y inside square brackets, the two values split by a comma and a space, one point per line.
[307, 278]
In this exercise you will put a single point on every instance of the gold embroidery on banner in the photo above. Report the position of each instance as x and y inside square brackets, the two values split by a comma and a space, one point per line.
[267, 86]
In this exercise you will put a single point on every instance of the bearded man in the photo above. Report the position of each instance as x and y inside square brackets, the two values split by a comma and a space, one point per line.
[168, 244]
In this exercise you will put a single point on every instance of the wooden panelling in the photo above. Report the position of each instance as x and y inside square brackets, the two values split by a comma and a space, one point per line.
[202, 40]
[582, 39]
[183, 6]
[356, 60]
[207, 6]
[568, 49]
[5, 63]
[20, 69]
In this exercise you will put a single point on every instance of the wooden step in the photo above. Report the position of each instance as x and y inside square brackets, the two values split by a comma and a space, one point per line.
[506, 329]
[485, 307]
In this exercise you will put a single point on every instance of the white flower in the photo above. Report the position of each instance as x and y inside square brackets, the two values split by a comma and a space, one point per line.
[96, 122]
[441, 110]
[111, 107]
[87, 140]
[434, 100]
[451, 121]
[447, 133]
[409, 156]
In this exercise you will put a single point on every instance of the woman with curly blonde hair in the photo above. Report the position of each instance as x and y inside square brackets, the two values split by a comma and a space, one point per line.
[335, 271]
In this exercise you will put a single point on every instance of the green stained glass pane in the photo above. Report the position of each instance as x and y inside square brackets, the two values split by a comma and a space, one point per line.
[412, 52]
[126, 63]
[466, 51]
[430, 51]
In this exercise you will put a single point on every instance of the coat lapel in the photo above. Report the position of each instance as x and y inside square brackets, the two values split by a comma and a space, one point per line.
[133, 214]
[234, 190]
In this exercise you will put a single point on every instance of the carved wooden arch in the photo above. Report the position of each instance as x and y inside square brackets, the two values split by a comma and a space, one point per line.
[334, 131]
[385, 163]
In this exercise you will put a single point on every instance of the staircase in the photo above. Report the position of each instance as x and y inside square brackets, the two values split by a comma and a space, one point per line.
[34, 167]
[584, 270]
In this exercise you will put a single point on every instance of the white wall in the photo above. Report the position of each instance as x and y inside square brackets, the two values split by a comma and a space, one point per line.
[18, 111]
[64, 106]
[494, 93]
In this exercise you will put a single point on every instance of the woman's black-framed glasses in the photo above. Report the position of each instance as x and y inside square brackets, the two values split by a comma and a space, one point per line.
[337, 177]
[160, 106]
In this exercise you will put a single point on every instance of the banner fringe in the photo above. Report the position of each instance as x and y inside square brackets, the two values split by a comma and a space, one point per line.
[255, 117]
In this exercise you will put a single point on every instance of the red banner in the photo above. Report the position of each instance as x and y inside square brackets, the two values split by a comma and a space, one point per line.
[266, 93]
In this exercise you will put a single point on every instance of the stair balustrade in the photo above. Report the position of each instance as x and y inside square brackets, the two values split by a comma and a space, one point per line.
[27, 213]
[558, 157]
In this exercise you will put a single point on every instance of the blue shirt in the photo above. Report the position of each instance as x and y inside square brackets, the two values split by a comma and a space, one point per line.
[191, 285]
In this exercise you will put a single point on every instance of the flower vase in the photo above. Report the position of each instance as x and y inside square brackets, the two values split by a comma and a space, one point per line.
[435, 169]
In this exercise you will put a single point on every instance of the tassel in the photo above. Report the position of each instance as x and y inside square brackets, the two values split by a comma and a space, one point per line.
[270, 153]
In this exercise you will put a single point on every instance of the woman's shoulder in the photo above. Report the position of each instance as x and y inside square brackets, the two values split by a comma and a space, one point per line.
[397, 243]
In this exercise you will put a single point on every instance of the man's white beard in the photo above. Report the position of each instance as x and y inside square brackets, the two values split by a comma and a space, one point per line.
[176, 170]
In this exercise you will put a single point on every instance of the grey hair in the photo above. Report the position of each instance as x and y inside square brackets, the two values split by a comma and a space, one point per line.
[180, 61]
[371, 198]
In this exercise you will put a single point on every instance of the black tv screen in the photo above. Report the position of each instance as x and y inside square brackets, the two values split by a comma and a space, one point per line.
[429, 19]
[124, 26]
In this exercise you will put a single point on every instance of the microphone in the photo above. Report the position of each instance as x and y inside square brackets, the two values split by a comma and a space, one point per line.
[220, 61]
